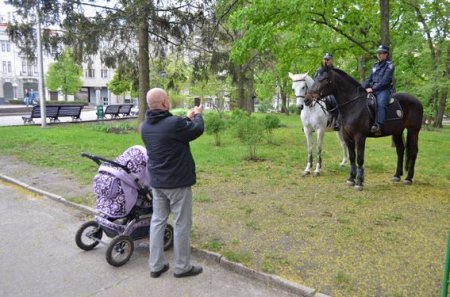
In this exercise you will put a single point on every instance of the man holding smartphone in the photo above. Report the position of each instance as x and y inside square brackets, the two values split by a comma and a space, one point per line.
[172, 174]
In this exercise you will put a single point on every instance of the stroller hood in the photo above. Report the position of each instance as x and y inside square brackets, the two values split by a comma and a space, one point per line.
[115, 190]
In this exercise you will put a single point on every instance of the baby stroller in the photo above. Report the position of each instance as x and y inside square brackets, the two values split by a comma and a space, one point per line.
[124, 206]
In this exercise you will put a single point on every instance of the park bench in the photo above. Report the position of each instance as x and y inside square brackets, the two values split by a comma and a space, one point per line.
[54, 112]
[117, 110]
[112, 110]
[125, 110]
[73, 111]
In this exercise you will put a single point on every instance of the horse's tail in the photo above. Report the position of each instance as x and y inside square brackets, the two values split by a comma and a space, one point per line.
[393, 142]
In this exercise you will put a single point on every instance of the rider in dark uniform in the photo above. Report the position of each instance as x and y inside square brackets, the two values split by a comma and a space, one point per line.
[330, 101]
[379, 83]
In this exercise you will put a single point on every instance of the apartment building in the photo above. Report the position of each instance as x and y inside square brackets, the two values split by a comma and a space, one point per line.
[18, 74]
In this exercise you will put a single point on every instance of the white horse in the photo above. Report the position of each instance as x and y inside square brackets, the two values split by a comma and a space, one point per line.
[314, 118]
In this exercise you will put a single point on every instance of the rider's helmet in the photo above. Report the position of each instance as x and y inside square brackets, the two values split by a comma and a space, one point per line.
[382, 49]
[327, 56]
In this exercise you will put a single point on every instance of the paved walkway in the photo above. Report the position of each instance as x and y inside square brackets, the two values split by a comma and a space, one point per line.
[39, 257]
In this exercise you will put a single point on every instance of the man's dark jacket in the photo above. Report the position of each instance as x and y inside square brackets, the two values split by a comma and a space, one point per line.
[167, 138]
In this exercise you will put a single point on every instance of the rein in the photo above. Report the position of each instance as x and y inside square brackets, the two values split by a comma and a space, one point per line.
[354, 99]
[350, 101]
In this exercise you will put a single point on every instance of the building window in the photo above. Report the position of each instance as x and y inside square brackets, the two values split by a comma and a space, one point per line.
[6, 46]
[90, 73]
[4, 68]
[35, 68]
[26, 68]
[9, 67]
[104, 73]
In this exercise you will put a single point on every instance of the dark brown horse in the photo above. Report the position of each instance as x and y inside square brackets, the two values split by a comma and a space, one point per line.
[357, 118]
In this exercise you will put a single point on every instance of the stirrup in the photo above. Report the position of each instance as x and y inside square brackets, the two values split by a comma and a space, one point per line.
[375, 129]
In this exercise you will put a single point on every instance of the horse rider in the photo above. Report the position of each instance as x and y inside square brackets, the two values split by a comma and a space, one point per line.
[379, 83]
[330, 101]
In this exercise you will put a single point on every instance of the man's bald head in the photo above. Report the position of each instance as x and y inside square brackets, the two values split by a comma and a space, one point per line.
[157, 99]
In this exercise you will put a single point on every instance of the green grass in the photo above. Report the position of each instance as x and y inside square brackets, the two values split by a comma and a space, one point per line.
[388, 240]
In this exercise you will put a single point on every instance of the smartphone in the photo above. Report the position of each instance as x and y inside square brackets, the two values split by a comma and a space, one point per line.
[197, 101]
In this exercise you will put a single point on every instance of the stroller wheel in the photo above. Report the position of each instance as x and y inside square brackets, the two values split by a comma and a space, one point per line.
[88, 236]
[119, 250]
[168, 237]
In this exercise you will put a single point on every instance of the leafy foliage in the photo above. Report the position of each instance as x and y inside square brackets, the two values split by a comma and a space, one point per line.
[250, 131]
[270, 122]
[215, 124]
[65, 75]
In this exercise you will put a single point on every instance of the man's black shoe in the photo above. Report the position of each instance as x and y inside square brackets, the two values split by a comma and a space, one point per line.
[336, 128]
[156, 274]
[195, 270]
[375, 130]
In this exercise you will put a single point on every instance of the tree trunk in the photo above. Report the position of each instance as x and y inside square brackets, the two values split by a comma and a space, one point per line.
[434, 94]
[249, 96]
[443, 101]
[240, 86]
[143, 67]
[384, 12]
[284, 103]
[362, 68]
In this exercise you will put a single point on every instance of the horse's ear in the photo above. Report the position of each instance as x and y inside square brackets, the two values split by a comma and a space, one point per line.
[290, 75]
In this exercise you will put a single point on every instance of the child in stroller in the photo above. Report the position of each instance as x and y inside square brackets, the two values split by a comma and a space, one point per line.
[124, 206]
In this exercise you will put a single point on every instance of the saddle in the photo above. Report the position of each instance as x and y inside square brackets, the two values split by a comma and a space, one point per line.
[394, 110]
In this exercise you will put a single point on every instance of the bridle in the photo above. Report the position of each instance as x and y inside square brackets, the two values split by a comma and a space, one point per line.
[306, 86]
[319, 101]
[352, 100]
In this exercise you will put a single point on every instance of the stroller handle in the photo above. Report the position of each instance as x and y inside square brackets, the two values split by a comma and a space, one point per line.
[99, 161]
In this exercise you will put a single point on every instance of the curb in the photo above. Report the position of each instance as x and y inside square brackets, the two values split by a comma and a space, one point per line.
[55, 197]
[238, 268]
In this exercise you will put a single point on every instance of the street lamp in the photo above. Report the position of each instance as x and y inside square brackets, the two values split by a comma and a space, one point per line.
[41, 87]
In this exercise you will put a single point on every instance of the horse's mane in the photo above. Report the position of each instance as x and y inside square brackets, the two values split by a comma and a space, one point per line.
[348, 77]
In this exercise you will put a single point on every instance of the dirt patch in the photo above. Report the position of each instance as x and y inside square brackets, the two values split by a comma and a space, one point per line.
[48, 179]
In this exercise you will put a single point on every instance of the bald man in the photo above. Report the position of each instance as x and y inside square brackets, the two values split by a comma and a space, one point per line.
[172, 174]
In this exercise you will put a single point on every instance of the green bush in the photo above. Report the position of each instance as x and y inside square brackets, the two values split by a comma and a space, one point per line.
[293, 109]
[250, 131]
[265, 106]
[270, 122]
[215, 124]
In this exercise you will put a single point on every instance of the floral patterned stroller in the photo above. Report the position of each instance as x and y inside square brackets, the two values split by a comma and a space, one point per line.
[124, 206]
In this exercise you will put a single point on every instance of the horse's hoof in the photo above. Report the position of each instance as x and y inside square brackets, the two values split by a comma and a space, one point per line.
[350, 183]
[358, 188]
[316, 174]
[306, 173]
[407, 182]
[395, 179]
[342, 165]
